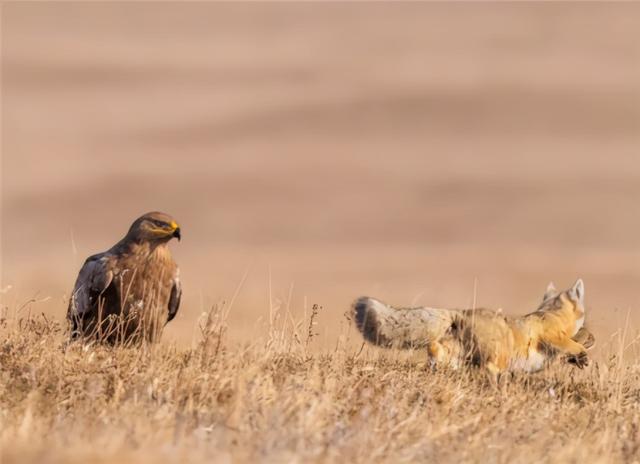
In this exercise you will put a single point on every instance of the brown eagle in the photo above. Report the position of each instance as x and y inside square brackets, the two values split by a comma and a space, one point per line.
[129, 292]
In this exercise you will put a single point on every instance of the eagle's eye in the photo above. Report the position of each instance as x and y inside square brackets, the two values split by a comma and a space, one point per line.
[155, 224]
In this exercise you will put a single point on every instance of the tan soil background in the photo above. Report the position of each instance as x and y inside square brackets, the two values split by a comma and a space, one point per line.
[409, 151]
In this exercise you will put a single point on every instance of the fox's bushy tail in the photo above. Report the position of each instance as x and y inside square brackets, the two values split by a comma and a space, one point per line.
[387, 326]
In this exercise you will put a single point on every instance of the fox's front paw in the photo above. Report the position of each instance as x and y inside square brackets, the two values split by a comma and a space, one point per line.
[580, 360]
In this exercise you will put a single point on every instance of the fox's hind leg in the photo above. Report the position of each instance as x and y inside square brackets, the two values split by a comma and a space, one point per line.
[437, 353]
[445, 352]
[494, 373]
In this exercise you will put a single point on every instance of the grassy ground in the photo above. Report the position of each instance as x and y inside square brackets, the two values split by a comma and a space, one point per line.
[277, 400]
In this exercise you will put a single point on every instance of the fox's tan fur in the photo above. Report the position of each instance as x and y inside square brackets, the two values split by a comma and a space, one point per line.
[483, 337]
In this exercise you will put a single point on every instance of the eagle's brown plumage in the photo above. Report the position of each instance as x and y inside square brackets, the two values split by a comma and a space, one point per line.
[132, 290]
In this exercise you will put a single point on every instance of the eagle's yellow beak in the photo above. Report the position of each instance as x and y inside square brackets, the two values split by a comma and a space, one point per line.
[176, 230]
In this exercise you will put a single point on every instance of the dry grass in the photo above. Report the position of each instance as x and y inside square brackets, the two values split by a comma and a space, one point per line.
[276, 401]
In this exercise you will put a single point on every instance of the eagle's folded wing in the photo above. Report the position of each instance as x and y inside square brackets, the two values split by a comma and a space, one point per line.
[174, 298]
[94, 278]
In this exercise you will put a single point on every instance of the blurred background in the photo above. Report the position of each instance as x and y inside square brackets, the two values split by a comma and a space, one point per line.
[437, 154]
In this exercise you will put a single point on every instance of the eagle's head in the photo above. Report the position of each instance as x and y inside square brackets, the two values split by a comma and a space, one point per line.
[153, 227]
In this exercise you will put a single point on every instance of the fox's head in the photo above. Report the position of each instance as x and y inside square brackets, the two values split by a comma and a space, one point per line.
[570, 301]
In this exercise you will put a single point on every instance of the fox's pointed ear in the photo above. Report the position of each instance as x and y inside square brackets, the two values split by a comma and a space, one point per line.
[550, 291]
[577, 291]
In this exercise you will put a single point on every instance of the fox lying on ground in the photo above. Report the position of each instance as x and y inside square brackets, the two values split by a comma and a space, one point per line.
[482, 337]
